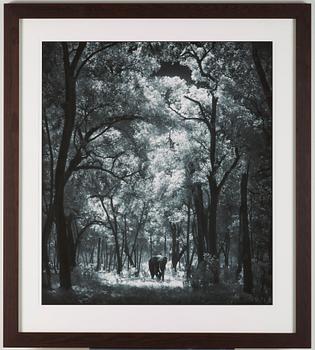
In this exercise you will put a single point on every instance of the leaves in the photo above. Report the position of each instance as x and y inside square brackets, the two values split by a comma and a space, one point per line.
[152, 121]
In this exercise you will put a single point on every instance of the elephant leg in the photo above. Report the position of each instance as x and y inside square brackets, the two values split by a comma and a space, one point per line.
[156, 272]
[151, 268]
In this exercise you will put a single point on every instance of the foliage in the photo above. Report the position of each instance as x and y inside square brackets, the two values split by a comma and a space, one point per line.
[162, 133]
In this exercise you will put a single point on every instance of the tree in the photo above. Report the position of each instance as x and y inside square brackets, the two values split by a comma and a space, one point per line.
[70, 67]
[70, 158]
[200, 57]
[244, 232]
[144, 147]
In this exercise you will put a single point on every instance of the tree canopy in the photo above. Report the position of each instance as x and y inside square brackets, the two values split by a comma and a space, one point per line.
[158, 148]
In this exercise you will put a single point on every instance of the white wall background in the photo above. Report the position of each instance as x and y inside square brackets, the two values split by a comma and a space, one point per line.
[1, 129]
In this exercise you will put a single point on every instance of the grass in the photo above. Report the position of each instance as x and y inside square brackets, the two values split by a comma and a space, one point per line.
[109, 289]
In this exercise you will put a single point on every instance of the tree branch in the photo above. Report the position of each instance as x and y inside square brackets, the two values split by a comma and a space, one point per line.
[91, 55]
[77, 56]
[228, 172]
[96, 167]
[107, 214]
[51, 158]
[65, 51]
[199, 105]
[92, 223]
[183, 117]
[194, 55]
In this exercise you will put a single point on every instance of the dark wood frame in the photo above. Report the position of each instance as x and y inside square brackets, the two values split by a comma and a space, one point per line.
[302, 337]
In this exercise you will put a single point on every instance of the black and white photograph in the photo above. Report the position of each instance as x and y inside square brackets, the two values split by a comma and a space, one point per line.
[157, 173]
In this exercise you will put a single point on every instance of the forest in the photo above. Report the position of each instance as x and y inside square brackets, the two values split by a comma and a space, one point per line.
[157, 173]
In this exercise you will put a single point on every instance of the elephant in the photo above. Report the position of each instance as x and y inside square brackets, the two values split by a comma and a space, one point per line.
[157, 266]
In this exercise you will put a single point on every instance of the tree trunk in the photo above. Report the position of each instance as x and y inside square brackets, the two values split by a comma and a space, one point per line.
[201, 222]
[227, 242]
[129, 257]
[151, 245]
[239, 253]
[55, 263]
[86, 260]
[118, 256]
[135, 254]
[190, 262]
[110, 260]
[98, 263]
[105, 256]
[78, 253]
[46, 273]
[247, 263]
[262, 75]
[165, 244]
[60, 178]
[71, 244]
[212, 231]
[128, 254]
[174, 245]
[45, 238]
[188, 242]
[92, 255]
[139, 260]
[252, 248]
[176, 253]
[115, 261]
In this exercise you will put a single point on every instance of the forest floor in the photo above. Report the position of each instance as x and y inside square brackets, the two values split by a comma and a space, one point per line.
[108, 288]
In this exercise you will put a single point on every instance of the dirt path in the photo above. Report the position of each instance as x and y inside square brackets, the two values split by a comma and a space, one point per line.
[110, 289]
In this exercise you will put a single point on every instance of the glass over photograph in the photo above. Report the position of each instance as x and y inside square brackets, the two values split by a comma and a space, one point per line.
[157, 173]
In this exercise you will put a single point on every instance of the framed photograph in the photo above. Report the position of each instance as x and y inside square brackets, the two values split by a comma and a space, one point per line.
[157, 175]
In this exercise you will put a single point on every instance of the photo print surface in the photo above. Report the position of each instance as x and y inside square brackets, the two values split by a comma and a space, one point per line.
[157, 173]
